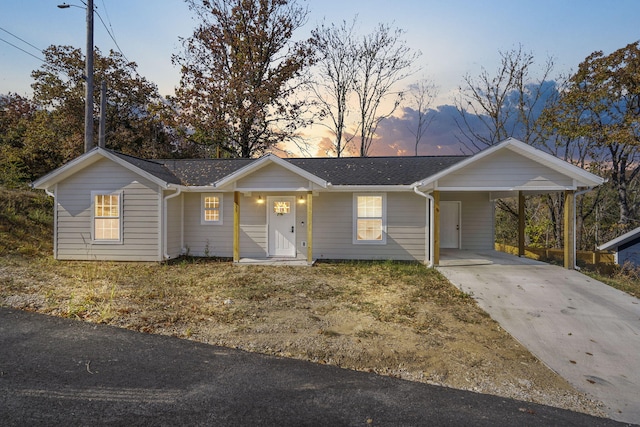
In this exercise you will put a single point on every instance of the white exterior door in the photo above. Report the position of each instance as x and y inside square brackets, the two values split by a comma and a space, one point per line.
[450, 225]
[281, 212]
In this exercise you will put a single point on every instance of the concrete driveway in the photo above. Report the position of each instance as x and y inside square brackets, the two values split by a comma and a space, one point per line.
[584, 330]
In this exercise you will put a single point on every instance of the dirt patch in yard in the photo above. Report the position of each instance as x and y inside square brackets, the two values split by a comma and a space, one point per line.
[402, 320]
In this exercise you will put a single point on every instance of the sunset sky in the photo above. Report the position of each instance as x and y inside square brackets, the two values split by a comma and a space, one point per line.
[456, 37]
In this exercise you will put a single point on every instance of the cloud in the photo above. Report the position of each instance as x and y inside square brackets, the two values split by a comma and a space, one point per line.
[442, 137]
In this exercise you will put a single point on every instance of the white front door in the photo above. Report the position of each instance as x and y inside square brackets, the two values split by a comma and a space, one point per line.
[450, 225]
[281, 212]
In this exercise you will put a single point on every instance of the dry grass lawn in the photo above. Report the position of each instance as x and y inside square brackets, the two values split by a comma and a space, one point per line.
[396, 319]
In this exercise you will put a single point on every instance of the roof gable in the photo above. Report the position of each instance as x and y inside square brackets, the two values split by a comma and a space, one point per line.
[145, 168]
[621, 240]
[268, 160]
[578, 176]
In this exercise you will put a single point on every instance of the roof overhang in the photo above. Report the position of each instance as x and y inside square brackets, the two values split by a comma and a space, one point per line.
[619, 241]
[264, 161]
[85, 160]
[581, 178]
[371, 188]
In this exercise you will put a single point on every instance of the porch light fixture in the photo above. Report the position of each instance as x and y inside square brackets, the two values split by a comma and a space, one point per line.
[301, 200]
[260, 199]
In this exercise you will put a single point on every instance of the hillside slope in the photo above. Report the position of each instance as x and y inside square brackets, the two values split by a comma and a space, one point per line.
[26, 223]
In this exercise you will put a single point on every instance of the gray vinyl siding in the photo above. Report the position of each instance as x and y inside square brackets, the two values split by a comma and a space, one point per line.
[214, 240]
[333, 228]
[141, 203]
[174, 225]
[272, 177]
[253, 226]
[629, 253]
[477, 224]
[505, 169]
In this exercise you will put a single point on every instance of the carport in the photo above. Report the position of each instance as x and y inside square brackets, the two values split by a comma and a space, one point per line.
[509, 169]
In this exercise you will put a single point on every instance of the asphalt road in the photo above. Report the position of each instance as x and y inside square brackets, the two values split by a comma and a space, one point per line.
[57, 371]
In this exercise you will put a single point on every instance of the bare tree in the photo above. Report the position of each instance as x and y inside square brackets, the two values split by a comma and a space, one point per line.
[238, 73]
[421, 96]
[495, 107]
[382, 60]
[334, 78]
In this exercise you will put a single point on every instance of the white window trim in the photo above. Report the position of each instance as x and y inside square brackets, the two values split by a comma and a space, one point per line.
[119, 241]
[355, 219]
[220, 197]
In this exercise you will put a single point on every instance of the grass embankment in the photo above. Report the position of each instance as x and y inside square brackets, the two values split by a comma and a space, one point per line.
[26, 219]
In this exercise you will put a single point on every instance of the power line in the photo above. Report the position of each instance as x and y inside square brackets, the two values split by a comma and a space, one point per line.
[112, 37]
[19, 48]
[21, 39]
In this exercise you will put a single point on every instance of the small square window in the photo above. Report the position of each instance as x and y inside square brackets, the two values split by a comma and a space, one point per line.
[211, 209]
[281, 208]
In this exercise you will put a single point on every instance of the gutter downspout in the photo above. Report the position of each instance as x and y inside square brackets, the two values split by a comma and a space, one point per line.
[575, 252]
[165, 239]
[431, 203]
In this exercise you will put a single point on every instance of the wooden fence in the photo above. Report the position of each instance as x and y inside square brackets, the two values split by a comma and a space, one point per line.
[593, 259]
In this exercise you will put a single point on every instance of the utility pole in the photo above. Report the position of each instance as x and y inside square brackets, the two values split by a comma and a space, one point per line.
[88, 76]
[102, 129]
[88, 88]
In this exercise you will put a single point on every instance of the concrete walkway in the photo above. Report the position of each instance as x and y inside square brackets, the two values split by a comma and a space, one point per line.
[584, 330]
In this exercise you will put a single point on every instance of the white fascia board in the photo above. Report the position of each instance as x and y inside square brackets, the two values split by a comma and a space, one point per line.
[621, 240]
[263, 161]
[526, 189]
[136, 169]
[67, 170]
[200, 189]
[585, 178]
[369, 188]
[86, 160]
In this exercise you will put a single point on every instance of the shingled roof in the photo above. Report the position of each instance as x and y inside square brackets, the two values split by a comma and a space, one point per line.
[375, 170]
[337, 171]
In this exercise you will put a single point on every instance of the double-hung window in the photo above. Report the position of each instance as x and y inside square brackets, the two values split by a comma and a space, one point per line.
[106, 217]
[211, 209]
[369, 218]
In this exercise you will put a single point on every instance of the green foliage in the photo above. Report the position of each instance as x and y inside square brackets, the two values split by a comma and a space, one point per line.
[599, 113]
[26, 223]
[40, 134]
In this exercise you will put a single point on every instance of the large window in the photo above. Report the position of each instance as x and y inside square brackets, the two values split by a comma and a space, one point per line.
[211, 209]
[369, 218]
[107, 217]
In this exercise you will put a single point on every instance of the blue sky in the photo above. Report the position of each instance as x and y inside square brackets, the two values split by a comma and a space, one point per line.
[455, 37]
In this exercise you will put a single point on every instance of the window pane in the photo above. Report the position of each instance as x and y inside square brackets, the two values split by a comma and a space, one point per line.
[369, 206]
[211, 215]
[106, 205]
[281, 207]
[107, 229]
[211, 208]
[211, 203]
[369, 229]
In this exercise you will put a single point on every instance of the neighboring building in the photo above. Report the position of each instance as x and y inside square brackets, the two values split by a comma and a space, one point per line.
[626, 248]
[110, 206]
